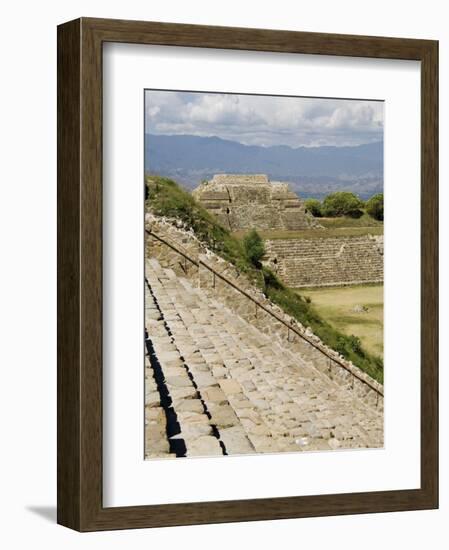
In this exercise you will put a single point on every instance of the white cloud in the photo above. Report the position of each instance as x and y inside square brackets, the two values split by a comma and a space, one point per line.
[265, 120]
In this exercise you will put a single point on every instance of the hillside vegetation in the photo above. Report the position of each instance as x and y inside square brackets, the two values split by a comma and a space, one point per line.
[344, 204]
[165, 198]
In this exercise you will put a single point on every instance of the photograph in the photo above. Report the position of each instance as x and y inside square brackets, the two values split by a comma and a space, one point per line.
[263, 274]
[230, 302]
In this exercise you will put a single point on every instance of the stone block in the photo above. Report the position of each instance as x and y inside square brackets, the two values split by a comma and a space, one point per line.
[214, 394]
[205, 380]
[204, 446]
[178, 381]
[236, 441]
[230, 386]
[183, 393]
[191, 405]
[223, 417]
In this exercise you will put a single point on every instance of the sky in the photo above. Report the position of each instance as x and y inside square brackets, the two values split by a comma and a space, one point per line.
[265, 120]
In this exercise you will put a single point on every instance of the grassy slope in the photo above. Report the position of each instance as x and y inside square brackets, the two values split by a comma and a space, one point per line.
[165, 198]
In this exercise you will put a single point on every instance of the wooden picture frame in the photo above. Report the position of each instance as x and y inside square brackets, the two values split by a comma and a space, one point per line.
[80, 504]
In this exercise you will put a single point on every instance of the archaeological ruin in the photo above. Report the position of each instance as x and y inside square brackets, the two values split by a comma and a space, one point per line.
[242, 201]
[227, 372]
[327, 261]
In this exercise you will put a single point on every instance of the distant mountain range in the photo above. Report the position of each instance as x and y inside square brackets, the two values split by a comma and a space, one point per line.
[311, 171]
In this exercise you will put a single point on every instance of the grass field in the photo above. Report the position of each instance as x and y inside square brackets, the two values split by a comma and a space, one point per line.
[336, 305]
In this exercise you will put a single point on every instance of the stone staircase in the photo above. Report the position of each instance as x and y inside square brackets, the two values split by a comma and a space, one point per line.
[216, 385]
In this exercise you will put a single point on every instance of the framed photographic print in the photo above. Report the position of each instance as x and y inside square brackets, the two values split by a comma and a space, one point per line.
[247, 289]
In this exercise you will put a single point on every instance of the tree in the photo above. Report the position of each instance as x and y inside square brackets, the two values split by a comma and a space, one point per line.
[375, 207]
[313, 206]
[254, 247]
[342, 203]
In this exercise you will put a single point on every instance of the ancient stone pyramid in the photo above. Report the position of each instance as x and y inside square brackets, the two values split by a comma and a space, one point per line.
[244, 201]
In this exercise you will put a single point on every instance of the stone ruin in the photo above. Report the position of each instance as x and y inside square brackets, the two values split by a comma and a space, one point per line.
[327, 261]
[243, 201]
[238, 380]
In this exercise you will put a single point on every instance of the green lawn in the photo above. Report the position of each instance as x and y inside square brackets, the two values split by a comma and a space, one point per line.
[336, 305]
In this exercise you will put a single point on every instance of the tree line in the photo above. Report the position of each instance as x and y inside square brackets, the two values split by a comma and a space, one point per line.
[345, 203]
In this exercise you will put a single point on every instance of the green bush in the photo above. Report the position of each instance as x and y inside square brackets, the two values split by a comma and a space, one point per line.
[270, 280]
[375, 207]
[313, 206]
[342, 203]
[355, 343]
[341, 345]
[254, 248]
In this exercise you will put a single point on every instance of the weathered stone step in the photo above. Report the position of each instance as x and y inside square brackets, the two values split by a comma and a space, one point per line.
[182, 423]
[259, 396]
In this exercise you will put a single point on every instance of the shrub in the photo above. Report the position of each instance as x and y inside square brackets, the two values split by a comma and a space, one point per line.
[313, 206]
[375, 207]
[341, 345]
[254, 248]
[355, 344]
[342, 203]
[270, 280]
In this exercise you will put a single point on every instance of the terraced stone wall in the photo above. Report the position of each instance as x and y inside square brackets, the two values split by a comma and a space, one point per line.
[326, 261]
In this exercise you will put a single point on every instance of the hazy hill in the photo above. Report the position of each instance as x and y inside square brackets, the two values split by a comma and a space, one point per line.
[313, 171]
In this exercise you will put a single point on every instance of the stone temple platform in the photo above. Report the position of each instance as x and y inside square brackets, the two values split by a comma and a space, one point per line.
[243, 201]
